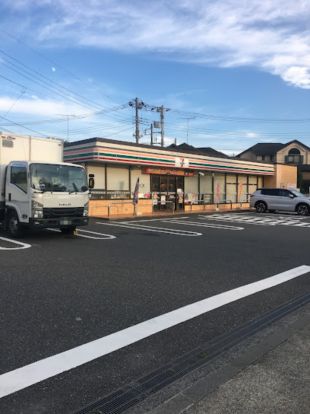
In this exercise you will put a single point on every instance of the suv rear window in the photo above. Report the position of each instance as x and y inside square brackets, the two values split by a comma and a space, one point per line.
[270, 192]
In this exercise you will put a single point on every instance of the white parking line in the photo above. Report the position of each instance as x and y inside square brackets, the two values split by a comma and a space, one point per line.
[174, 232]
[102, 236]
[20, 245]
[105, 236]
[262, 220]
[43, 369]
[147, 220]
[201, 224]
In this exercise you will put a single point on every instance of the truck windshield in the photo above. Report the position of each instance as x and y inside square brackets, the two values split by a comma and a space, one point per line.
[57, 178]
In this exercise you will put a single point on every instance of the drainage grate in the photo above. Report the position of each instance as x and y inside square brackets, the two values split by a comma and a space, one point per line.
[137, 391]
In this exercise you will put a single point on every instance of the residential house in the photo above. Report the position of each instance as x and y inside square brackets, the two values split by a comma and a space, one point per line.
[293, 153]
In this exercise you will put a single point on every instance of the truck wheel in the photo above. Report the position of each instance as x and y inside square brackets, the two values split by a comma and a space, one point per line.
[68, 230]
[13, 225]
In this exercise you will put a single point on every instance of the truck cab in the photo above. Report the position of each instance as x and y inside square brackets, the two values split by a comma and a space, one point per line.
[43, 195]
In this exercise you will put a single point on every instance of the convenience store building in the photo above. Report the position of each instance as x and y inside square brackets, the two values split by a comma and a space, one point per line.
[169, 179]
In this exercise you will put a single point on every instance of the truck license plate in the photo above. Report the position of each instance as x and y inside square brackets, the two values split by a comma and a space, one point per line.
[65, 222]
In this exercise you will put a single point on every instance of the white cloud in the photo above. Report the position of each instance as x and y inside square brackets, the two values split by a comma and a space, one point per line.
[251, 134]
[40, 107]
[272, 35]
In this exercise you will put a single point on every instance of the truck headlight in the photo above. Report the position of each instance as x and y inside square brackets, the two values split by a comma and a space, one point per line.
[37, 210]
[85, 212]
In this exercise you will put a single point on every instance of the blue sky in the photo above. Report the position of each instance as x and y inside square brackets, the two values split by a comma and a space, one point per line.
[232, 73]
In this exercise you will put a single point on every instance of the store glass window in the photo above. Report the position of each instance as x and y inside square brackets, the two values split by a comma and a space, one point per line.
[206, 188]
[252, 184]
[180, 183]
[242, 189]
[118, 179]
[171, 184]
[231, 188]
[155, 183]
[163, 188]
[253, 179]
[219, 188]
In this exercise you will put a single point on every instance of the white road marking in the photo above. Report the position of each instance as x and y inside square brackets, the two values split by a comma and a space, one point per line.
[105, 236]
[201, 224]
[262, 220]
[174, 232]
[147, 220]
[20, 245]
[23, 377]
[102, 236]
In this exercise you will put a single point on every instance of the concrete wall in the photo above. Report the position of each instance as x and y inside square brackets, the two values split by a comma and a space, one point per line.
[125, 208]
[114, 208]
[285, 176]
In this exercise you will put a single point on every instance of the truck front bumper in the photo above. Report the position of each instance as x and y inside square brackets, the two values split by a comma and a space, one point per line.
[58, 222]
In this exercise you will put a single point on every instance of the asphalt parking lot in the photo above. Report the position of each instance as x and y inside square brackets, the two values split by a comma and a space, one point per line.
[60, 292]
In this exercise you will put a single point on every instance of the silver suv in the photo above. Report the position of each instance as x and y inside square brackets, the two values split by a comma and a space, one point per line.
[273, 199]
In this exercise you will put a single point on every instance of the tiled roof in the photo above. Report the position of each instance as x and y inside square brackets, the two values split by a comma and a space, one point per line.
[264, 148]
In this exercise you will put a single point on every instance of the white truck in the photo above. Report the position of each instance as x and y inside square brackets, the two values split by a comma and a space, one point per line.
[37, 189]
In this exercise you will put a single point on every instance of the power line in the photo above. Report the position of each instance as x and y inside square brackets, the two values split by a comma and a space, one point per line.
[43, 84]
[47, 81]
[48, 59]
[240, 119]
[22, 126]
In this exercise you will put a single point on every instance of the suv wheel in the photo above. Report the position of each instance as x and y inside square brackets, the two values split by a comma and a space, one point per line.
[261, 207]
[302, 209]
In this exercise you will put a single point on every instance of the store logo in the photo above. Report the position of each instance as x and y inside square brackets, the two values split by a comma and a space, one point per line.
[182, 162]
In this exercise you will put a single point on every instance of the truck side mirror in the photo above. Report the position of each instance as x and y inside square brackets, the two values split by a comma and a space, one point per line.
[91, 181]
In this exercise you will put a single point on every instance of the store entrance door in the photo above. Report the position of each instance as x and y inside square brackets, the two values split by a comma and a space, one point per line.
[167, 192]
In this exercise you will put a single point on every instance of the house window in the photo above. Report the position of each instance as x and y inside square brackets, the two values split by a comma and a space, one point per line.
[294, 157]
[259, 157]
[294, 151]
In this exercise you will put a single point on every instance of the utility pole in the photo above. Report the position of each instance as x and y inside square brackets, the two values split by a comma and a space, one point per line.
[152, 140]
[137, 104]
[137, 134]
[187, 126]
[162, 125]
[161, 109]
[68, 117]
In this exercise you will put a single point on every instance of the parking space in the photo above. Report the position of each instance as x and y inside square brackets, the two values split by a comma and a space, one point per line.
[184, 226]
[125, 297]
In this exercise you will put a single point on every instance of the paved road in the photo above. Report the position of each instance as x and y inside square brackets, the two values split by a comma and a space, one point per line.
[59, 292]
